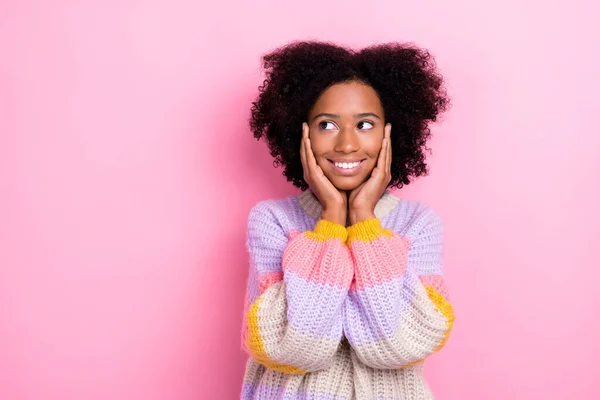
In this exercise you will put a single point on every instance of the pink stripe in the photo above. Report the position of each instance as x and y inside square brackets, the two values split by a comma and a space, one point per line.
[379, 261]
[314, 267]
[293, 233]
[267, 280]
[245, 319]
[437, 282]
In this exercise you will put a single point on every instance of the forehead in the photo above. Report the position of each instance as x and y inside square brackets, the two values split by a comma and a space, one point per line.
[351, 97]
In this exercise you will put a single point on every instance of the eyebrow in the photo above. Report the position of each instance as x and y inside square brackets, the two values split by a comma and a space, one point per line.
[337, 116]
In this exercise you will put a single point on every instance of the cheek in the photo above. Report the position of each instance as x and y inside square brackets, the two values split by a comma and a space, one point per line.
[319, 147]
[373, 151]
[372, 145]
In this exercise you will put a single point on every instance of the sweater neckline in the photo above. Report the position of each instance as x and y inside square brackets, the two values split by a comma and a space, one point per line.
[312, 206]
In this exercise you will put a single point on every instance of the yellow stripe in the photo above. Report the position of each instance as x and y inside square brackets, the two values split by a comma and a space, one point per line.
[256, 346]
[446, 309]
[367, 230]
[412, 364]
[325, 230]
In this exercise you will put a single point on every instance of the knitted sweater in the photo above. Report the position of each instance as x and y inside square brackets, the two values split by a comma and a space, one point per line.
[335, 312]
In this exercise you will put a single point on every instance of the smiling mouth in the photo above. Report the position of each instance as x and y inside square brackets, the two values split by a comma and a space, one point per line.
[347, 168]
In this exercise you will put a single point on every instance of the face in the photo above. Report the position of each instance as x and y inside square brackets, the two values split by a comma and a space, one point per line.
[347, 126]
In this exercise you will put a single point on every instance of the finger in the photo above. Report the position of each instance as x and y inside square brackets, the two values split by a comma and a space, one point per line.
[382, 154]
[303, 147]
[310, 157]
[388, 162]
[375, 172]
[303, 141]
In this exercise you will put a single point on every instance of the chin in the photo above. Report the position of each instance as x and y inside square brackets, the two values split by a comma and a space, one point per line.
[346, 184]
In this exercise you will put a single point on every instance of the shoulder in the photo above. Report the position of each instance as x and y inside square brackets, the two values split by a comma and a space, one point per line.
[412, 218]
[280, 213]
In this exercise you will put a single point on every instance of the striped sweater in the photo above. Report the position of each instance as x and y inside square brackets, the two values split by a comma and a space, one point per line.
[335, 312]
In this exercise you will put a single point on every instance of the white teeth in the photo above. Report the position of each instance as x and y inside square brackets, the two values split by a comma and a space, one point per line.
[347, 165]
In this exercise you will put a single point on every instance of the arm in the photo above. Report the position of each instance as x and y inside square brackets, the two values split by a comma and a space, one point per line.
[296, 289]
[397, 312]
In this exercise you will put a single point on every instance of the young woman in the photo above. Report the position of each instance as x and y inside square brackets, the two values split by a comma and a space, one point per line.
[346, 296]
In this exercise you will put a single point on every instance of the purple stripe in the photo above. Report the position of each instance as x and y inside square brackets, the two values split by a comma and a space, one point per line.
[266, 239]
[266, 392]
[253, 289]
[374, 313]
[247, 391]
[312, 396]
[268, 260]
[314, 308]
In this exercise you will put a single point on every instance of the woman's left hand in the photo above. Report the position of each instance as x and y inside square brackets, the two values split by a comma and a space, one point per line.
[363, 199]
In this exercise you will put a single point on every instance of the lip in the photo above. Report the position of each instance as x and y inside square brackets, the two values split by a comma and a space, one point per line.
[347, 171]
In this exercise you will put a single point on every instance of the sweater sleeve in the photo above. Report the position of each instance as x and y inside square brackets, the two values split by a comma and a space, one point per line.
[397, 312]
[296, 289]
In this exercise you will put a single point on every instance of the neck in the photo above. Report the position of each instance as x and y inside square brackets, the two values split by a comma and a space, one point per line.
[311, 205]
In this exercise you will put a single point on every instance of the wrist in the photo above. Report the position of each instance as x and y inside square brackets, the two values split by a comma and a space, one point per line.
[359, 215]
[337, 216]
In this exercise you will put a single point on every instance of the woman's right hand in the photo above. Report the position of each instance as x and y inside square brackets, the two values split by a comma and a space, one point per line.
[334, 202]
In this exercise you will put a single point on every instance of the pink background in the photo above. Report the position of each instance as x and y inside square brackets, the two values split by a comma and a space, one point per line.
[127, 171]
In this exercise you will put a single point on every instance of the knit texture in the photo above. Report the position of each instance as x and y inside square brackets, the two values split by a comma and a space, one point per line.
[340, 313]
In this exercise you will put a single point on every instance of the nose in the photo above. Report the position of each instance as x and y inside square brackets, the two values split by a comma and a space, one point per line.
[346, 141]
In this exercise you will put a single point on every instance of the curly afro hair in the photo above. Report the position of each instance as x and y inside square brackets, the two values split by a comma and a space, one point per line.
[404, 77]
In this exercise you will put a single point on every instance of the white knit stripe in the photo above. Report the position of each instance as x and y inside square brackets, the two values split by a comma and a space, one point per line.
[405, 384]
[420, 331]
[284, 344]
[311, 205]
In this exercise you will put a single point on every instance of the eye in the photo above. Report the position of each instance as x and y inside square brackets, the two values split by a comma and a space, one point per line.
[361, 125]
[326, 125]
